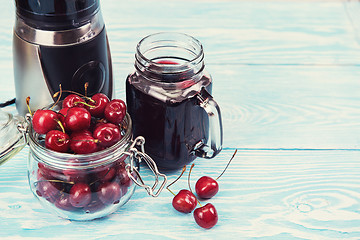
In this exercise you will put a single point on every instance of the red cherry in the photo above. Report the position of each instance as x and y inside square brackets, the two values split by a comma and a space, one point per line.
[115, 111]
[184, 201]
[99, 104]
[45, 172]
[81, 133]
[120, 162]
[80, 195]
[63, 111]
[106, 174]
[83, 144]
[47, 190]
[125, 180]
[206, 187]
[63, 202]
[109, 193]
[62, 114]
[206, 216]
[44, 120]
[72, 100]
[77, 119]
[74, 175]
[95, 205]
[95, 122]
[124, 190]
[39, 175]
[108, 134]
[57, 141]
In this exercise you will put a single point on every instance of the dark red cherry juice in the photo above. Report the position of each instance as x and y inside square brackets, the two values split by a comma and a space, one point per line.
[172, 123]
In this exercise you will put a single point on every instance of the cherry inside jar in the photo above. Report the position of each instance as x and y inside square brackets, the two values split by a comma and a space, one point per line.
[87, 186]
[81, 186]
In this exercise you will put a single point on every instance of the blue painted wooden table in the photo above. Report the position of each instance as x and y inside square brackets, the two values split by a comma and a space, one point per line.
[286, 75]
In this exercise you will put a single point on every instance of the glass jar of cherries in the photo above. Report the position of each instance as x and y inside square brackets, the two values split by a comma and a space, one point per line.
[85, 173]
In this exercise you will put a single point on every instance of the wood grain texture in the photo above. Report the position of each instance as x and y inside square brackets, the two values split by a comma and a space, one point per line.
[248, 32]
[286, 75]
[264, 194]
[305, 107]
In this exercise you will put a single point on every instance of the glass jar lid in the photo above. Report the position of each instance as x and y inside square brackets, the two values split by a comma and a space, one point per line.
[11, 139]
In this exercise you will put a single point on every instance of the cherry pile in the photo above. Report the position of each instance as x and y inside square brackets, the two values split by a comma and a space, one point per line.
[83, 125]
[206, 187]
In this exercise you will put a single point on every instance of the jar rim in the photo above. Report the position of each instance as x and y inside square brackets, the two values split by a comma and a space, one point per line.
[84, 161]
[154, 42]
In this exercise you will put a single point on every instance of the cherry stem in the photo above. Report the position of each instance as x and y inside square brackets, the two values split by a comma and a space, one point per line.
[171, 191]
[58, 99]
[95, 140]
[53, 180]
[81, 95]
[62, 140]
[99, 178]
[198, 201]
[86, 104]
[227, 165]
[86, 85]
[192, 165]
[60, 124]
[28, 104]
[182, 172]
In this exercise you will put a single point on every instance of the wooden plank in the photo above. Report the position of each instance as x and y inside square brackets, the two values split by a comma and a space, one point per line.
[247, 32]
[264, 194]
[291, 107]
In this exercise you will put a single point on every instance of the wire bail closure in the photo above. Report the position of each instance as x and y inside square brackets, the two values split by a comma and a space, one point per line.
[134, 153]
[23, 128]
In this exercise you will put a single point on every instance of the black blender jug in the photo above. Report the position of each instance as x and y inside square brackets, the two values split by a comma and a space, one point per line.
[59, 42]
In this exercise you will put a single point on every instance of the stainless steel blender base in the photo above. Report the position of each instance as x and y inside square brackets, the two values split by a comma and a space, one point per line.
[29, 76]
[44, 59]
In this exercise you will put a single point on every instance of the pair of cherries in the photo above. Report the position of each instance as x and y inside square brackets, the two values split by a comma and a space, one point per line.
[185, 201]
[206, 187]
[83, 125]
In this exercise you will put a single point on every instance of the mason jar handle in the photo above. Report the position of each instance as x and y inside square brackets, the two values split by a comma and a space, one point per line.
[213, 144]
[141, 155]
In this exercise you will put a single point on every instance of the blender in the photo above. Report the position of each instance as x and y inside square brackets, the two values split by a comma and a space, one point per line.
[59, 42]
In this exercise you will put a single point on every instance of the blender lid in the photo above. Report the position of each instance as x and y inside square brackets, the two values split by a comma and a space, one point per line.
[56, 14]
[11, 139]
